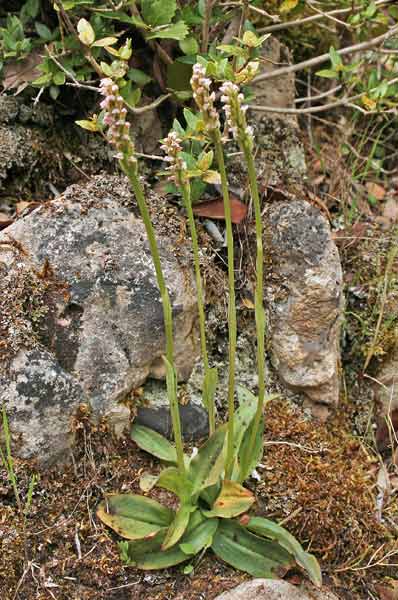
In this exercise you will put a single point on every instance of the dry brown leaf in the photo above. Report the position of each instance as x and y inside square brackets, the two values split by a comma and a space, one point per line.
[376, 190]
[214, 209]
[388, 590]
[19, 73]
[390, 210]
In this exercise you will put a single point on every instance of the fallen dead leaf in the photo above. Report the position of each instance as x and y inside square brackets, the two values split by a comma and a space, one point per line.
[19, 73]
[390, 210]
[214, 209]
[5, 220]
[376, 190]
[388, 590]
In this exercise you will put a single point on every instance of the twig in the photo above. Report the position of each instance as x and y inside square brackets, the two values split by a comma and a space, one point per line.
[85, 49]
[317, 60]
[206, 25]
[319, 96]
[347, 101]
[329, 16]
[299, 22]
[294, 445]
[68, 74]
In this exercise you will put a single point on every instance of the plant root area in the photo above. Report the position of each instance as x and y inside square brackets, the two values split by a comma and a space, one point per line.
[316, 479]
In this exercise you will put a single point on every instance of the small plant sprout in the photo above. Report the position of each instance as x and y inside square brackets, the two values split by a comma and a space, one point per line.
[205, 102]
[179, 175]
[118, 135]
[235, 113]
[208, 483]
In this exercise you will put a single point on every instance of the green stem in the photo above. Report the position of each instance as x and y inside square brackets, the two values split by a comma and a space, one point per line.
[231, 305]
[207, 400]
[258, 303]
[131, 170]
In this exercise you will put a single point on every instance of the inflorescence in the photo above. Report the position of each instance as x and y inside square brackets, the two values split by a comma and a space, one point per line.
[171, 145]
[115, 118]
[204, 99]
[235, 113]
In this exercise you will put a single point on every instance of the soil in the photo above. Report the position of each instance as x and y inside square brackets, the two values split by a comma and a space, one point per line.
[318, 479]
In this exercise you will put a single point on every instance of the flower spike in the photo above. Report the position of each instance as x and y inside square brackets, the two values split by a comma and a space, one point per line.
[115, 118]
[171, 145]
[235, 113]
[204, 99]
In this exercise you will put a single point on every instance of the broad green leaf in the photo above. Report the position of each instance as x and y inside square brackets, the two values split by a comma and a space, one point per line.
[134, 517]
[131, 550]
[86, 32]
[177, 528]
[191, 119]
[248, 552]
[328, 73]
[249, 459]
[172, 480]
[158, 12]
[200, 537]
[138, 76]
[59, 78]
[232, 50]
[206, 467]
[32, 8]
[43, 31]
[233, 500]
[107, 41]
[250, 39]
[176, 31]
[273, 531]
[159, 560]
[189, 45]
[151, 441]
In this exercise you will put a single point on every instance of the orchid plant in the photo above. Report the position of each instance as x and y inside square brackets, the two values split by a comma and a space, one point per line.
[213, 503]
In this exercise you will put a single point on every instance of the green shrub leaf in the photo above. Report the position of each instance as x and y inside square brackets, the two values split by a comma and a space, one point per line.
[158, 12]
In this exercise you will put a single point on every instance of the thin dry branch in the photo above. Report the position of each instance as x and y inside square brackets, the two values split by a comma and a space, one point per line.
[317, 17]
[317, 60]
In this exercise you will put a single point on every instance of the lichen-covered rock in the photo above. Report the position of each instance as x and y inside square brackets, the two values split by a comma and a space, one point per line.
[305, 296]
[102, 333]
[275, 589]
[280, 154]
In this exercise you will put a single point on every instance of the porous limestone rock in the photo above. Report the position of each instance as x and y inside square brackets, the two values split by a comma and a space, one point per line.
[102, 333]
[274, 589]
[305, 300]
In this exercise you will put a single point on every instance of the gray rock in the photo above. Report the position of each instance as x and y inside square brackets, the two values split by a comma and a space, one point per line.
[274, 589]
[305, 300]
[102, 335]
